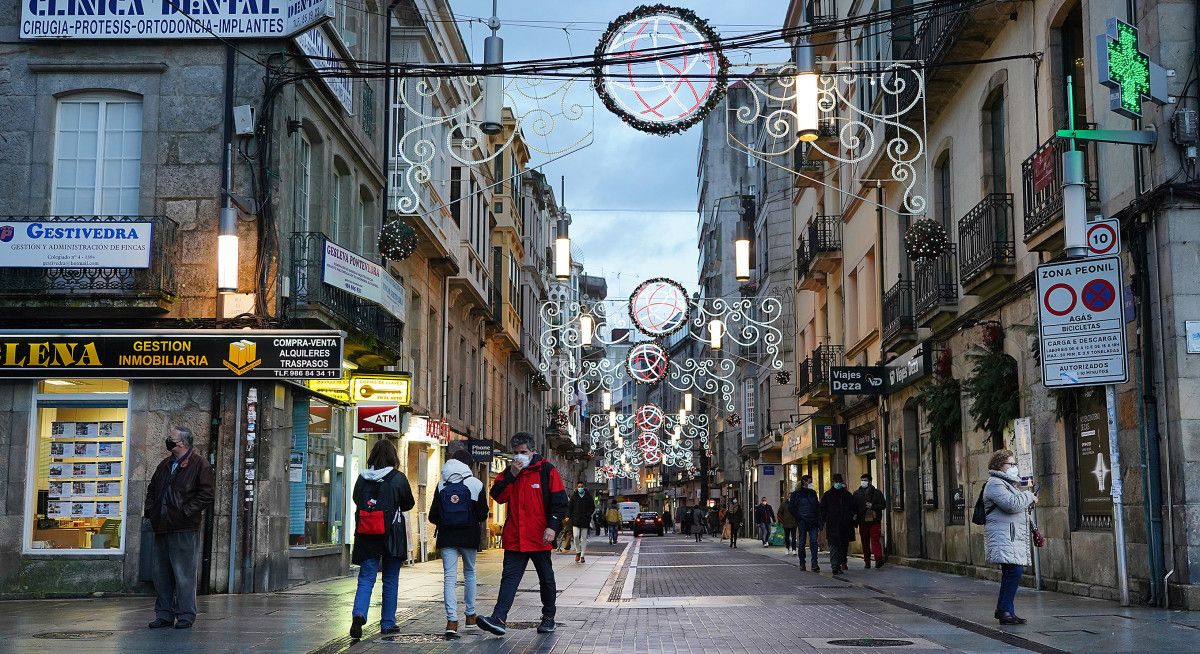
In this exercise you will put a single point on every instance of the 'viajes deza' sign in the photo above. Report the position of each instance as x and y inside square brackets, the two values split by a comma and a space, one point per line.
[1130, 75]
[166, 19]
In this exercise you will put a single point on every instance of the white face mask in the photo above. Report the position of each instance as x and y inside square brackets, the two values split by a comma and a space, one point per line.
[864, 484]
[1014, 471]
[523, 458]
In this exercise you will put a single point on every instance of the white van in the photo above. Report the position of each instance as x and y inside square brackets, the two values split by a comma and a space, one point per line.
[629, 511]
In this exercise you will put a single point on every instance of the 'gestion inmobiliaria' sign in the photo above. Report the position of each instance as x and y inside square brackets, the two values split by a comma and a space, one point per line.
[91, 244]
[170, 19]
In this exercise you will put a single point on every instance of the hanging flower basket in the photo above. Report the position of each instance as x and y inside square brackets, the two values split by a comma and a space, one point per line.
[926, 240]
[733, 419]
[783, 377]
[540, 383]
[397, 240]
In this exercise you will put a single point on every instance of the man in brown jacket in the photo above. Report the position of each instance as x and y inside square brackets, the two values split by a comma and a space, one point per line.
[179, 492]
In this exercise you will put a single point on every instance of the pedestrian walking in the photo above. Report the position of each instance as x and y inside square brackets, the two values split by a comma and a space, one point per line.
[598, 519]
[565, 535]
[580, 510]
[788, 522]
[612, 517]
[180, 490]
[869, 504]
[459, 509]
[716, 522]
[734, 521]
[537, 502]
[1006, 530]
[806, 508]
[685, 522]
[668, 521]
[764, 520]
[381, 496]
[837, 514]
[699, 520]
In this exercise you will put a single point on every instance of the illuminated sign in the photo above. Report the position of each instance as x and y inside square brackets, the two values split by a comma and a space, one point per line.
[1130, 75]
[170, 19]
[378, 387]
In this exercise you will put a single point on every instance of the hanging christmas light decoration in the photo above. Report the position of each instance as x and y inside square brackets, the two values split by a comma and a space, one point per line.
[926, 239]
[733, 419]
[647, 363]
[783, 377]
[649, 418]
[397, 240]
[666, 95]
[659, 307]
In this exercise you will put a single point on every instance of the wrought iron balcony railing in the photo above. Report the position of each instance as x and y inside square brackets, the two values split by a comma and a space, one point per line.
[985, 236]
[898, 316]
[1042, 179]
[309, 291]
[935, 283]
[150, 288]
[821, 12]
[824, 235]
[822, 359]
[933, 41]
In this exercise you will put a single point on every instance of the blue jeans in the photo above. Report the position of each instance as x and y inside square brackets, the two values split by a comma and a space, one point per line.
[1010, 581]
[510, 579]
[612, 532]
[366, 584]
[450, 556]
[812, 529]
[764, 532]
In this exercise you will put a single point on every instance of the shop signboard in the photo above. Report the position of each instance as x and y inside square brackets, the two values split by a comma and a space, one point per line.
[382, 387]
[1082, 323]
[320, 419]
[908, 368]
[391, 296]
[480, 449]
[865, 441]
[341, 268]
[334, 389]
[857, 380]
[438, 430]
[170, 19]
[75, 244]
[336, 77]
[830, 436]
[378, 419]
[172, 354]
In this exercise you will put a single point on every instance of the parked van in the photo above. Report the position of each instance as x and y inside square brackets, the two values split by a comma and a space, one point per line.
[629, 511]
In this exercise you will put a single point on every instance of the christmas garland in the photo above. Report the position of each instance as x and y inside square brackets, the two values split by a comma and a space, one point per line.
[658, 280]
[926, 239]
[397, 240]
[992, 387]
[702, 26]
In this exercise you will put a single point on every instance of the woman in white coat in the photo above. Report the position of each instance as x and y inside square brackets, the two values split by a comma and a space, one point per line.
[1006, 534]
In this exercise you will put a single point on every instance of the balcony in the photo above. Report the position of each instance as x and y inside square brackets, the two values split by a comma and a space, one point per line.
[316, 304]
[821, 14]
[102, 292]
[935, 289]
[986, 250]
[824, 243]
[811, 170]
[1042, 179]
[899, 322]
[816, 385]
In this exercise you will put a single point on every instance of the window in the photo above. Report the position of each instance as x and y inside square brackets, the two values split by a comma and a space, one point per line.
[456, 194]
[414, 326]
[943, 202]
[498, 170]
[76, 500]
[368, 224]
[335, 209]
[303, 184]
[514, 280]
[995, 148]
[360, 226]
[97, 156]
[748, 412]
[315, 515]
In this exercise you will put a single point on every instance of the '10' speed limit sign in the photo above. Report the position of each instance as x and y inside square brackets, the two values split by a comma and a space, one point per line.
[1104, 238]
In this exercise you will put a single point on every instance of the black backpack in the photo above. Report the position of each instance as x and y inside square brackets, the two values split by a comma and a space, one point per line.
[980, 514]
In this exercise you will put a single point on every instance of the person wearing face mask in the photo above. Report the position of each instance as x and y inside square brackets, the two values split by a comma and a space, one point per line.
[869, 504]
[764, 520]
[1006, 531]
[580, 510]
[806, 509]
[179, 492]
[837, 513]
[537, 503]
[734, 520]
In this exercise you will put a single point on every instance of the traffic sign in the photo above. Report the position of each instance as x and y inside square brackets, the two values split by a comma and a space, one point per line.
[1104, 238]
[382, 419]
[1081, 323]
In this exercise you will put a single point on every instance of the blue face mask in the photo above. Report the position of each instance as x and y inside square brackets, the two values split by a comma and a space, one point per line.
[580, 491]
[838, 485]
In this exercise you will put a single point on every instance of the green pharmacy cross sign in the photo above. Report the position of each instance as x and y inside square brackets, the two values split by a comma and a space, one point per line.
[1130, 75]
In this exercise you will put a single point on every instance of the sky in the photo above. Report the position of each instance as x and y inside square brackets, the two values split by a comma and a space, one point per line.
[632, 195]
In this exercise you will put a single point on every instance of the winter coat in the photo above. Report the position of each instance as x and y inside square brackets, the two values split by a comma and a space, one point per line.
[764, 514]
[785, 517]
[390, 487]
[462, 536]
[177, 502]
[581, 508]
[869, 498]
[805, 507]
[668, 519]
[699, 518]
[686, 520]
[528, 515]
[733, 516]
[715, 520]
[837, 513]
[1006, 533]
[612, 517]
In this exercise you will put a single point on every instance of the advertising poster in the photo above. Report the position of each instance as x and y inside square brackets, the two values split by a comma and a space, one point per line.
[60, 429]
[58, 510]
[87, 430]
[83, 449]
[112, 429]
[108, 450]
[83, 510]
[1093, 473]
[108, 509]
[83, 489]
[59, 489]
[59, 449]
[108, 488]
[108, 469]
[59, 470]
[83, 469]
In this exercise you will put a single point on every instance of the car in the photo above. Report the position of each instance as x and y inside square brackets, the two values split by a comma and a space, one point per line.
[648, 522]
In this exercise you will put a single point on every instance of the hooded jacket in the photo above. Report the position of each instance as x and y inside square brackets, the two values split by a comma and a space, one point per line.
[394, 494]
[465, 537]
[1006, 533]
[528, 515]
[176, 502]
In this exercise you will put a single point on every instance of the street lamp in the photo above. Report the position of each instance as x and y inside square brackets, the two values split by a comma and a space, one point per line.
[587, 325]
[493, 83]
[741, 251]
[562, 251]
[687, 401]
[606, 399]
[227, 251]
[612, 418]
[807, 110]
[716, 331]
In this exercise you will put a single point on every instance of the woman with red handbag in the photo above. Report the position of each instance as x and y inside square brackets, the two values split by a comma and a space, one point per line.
[381, 496]
[1006, 532]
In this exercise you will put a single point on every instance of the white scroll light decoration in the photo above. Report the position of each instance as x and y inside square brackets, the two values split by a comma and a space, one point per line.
[856, 133]
[423, 130]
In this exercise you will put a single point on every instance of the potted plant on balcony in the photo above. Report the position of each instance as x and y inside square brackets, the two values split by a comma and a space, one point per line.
[941, 402]
[992, 386]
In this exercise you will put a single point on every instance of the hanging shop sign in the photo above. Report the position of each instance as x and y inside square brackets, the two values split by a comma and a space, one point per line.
[1128, 73]
[908, 368]
[320, 419]
[334, 389]
[392, 295]
[171, 353]
[76, 244]
[857, 380]
[866, 441]
[480, 449]
[357, 275]
[380, 387]
[830, 436]
[1082, 323]
[378, 419]
[170, 19]
[334, 75]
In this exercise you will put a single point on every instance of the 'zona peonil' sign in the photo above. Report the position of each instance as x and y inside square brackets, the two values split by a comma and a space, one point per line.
[170, 19]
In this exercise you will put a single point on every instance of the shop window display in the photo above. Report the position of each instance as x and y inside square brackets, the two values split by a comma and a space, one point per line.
[314, 513]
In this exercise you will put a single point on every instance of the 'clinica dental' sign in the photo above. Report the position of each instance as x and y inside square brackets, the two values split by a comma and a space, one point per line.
[170, 19]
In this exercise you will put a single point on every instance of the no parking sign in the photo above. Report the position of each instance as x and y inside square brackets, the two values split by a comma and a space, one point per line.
[1082, 323]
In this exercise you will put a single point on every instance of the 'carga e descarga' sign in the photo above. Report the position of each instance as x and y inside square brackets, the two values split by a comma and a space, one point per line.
[170, 19]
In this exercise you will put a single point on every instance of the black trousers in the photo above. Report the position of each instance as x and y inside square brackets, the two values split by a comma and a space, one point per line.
[510, 578]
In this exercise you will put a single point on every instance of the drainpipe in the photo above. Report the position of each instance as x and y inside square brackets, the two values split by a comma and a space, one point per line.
[445, 345]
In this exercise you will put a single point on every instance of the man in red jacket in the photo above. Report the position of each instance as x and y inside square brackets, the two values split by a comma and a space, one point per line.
[537, 502]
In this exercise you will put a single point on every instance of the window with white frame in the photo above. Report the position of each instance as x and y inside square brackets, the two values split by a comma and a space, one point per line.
[97, 155]
[303, 183]
[749, 422]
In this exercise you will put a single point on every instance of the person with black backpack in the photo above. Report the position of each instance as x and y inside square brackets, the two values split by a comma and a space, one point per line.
[459, 508]
[381, 496]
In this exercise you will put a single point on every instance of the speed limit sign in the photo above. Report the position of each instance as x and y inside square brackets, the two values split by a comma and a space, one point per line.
[1104, 238]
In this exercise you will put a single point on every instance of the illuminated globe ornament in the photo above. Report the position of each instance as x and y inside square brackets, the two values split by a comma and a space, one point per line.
[659, 307]
[647, 363]
[649, 417]
[660, 94]
[653, 458]
[608, 470]
[925, 240]
[397, 240]
[647, 442]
